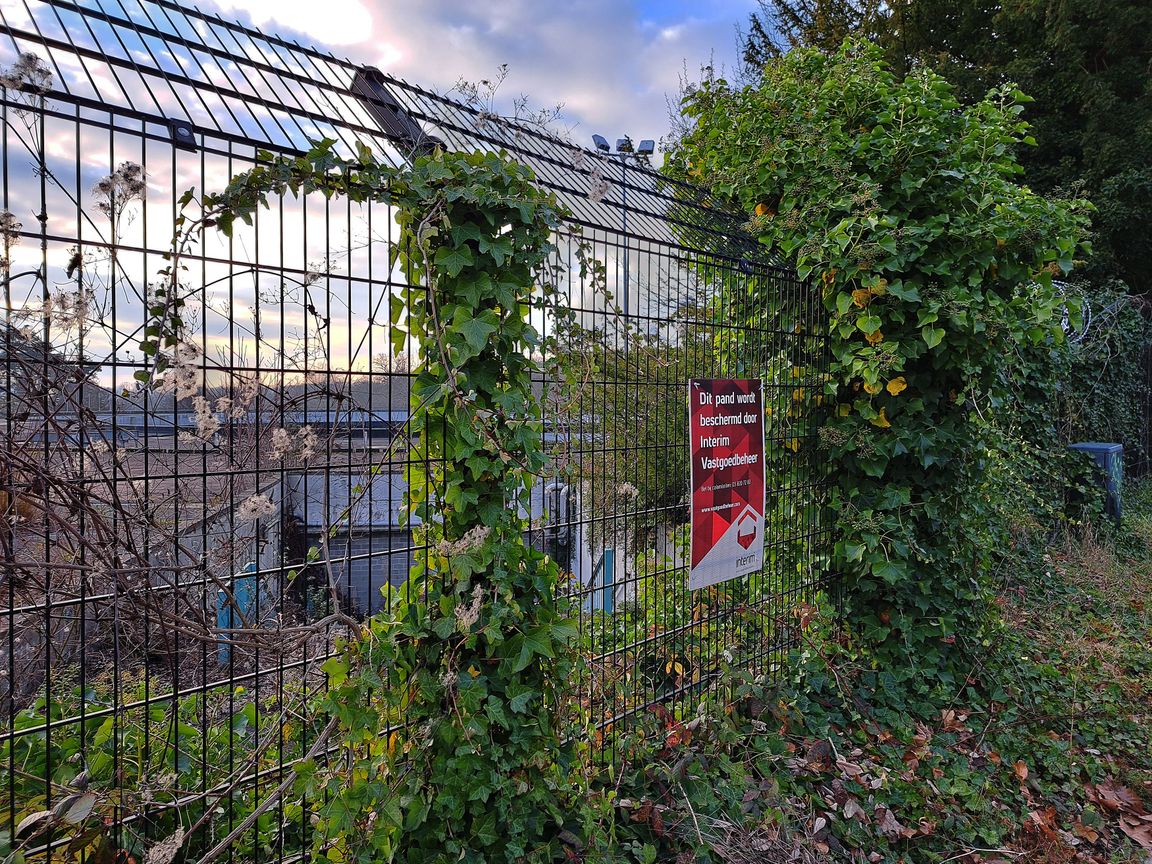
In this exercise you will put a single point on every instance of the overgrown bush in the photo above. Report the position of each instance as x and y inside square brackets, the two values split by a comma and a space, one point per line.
[934, 267]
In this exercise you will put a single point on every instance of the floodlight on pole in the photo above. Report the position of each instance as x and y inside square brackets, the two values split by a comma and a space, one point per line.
[625, 150]
[183, 134]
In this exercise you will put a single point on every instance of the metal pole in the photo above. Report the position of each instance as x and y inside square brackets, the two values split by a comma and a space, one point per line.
[624, 183]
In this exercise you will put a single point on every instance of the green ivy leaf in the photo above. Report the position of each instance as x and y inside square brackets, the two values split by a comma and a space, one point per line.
[336, 668]
[522, 698]
[453, 259]
[891, 571]
[933, 336]
[536, 642]
[476, 333]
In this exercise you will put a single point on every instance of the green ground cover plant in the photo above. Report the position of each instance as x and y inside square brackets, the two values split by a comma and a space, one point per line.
[1043, 752]
[169, 763]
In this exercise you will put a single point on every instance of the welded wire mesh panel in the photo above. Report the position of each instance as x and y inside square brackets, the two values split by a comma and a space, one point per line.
[678, 313]
[186, 530]
[164, 625]
[1139, 464]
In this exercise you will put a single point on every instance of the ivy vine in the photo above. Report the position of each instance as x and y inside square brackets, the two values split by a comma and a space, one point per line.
[443, 710]
[934, 268]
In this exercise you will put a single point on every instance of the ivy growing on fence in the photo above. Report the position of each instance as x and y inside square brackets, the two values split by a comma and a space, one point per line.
[443, 710]
[934, 266]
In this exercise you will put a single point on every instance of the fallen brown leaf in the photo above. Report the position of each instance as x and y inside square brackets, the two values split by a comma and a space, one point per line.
[849, 770]
[657, 823]
[952, 722]
[889, 825]
[1020, 770]
[642, 813]
[1112, 796]
[1085, 832]
[819, 756]
[1138, 829]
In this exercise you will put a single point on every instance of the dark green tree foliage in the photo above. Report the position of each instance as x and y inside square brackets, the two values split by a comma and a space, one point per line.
[1103, 377]
[823, 24]
[933, 265]
[1093, 387]
[1087, 64]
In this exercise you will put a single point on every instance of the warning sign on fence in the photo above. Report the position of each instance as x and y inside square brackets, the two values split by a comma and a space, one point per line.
[726, 434]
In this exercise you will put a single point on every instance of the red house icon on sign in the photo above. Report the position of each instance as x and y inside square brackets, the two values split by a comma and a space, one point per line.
[746, 529]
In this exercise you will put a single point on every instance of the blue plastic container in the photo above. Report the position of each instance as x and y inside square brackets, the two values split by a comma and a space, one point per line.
[1109, 459]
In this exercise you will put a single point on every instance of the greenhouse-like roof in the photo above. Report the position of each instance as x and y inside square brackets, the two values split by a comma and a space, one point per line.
[163, 63]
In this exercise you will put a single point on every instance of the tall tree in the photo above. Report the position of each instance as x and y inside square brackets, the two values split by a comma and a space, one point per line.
[782, 25]
[1087, 64]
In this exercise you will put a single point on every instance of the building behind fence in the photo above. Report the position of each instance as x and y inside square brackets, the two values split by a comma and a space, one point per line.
[161, 639]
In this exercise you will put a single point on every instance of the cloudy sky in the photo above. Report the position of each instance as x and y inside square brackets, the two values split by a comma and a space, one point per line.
[614, 64]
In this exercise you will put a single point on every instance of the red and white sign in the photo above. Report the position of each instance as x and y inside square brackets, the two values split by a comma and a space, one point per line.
[726, 432]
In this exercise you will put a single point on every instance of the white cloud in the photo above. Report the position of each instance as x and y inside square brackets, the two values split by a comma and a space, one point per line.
[612, 65]
[333, 22]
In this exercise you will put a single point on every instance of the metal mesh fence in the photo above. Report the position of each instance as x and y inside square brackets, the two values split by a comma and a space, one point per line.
[161, 639]
[624, 463]
[1140, 463]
